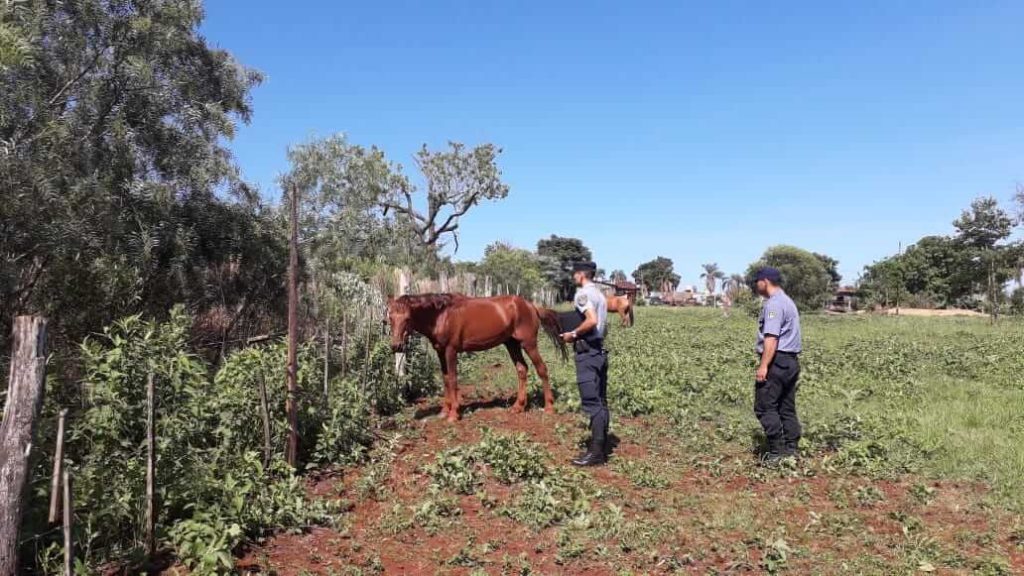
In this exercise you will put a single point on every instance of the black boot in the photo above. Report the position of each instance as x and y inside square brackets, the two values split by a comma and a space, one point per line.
[776, 453]
[594, 456]
[792, 448]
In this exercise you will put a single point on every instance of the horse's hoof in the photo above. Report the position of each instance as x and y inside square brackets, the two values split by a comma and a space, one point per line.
[549, 409]
[517, 409]
[453, 418]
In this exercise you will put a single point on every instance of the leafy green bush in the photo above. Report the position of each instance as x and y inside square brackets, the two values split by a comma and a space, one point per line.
[455, 469]
[642, 474]
[235, 399]
[512, 457]
[550, 501]
[213, 488]
[388, 393]
[108, 441]
[345, 428]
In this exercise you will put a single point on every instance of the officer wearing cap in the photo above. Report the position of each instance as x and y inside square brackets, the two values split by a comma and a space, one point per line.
[591, 361]
[778, 374]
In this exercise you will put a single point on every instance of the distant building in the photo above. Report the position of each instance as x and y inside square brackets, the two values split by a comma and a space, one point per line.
[627, 289]
[686, 296]
[844, 300]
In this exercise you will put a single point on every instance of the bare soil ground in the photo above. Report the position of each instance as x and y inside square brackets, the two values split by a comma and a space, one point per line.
[673, 508]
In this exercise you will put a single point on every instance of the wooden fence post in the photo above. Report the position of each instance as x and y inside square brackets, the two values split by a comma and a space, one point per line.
[58, 469]
[17, 432]
[327, 356]
[150, 466]
[403, 289]
[344, 345]
[292, 384]
[366, 362]
[405, 281]
[69, 518]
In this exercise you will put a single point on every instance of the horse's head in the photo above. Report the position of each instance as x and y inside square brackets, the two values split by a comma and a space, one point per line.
[400, 319]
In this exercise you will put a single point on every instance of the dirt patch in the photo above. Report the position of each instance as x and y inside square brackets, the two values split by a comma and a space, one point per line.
[657, 509]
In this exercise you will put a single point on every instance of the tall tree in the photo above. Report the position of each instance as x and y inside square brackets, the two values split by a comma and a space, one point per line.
[656, 274]
[1018, 200]
[935, 271]
[619, 277]
[516, 268]
[954, 270]
[832, 267]
[711, 275]
[805, 278]
[113, 123]
[558, 254]
[457, 179]
[734, 285]
[984, 224]
[982, 229]
[343, 186]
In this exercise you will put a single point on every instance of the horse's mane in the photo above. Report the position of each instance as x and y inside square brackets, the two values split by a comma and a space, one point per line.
[425, 301]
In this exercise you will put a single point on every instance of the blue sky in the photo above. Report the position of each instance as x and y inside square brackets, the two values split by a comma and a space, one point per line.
[704, 132]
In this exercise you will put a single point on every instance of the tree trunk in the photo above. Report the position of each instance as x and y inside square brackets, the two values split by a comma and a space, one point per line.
[150, 466]
[17, 432]
[366, 362]
[327, 356]
[58, 469]
[291, 408]
[69, 519]
[400, 356]
[344, 345]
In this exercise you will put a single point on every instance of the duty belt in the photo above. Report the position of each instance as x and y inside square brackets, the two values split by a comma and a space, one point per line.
[583, 346]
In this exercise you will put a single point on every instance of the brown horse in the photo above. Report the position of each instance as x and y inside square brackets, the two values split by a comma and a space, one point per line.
[624, 306]
[455, 323]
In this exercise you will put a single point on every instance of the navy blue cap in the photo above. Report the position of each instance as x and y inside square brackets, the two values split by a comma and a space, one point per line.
[584, 267]
[770, 274]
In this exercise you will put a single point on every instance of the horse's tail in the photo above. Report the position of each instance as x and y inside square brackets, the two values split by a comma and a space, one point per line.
[632, 317]
[549, 321]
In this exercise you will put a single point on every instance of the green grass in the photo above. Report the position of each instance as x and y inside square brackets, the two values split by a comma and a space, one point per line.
[880, 396]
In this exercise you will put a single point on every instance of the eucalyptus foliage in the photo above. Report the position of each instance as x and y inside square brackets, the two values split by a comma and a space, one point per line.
[118, 194]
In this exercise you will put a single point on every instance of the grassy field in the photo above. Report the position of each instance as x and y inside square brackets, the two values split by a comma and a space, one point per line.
[912, 463]
[881, 395]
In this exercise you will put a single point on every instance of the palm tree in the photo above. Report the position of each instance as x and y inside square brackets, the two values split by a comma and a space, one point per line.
[733, 285]
[711, 276]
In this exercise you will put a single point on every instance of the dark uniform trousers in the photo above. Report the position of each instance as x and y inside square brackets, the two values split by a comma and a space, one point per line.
[775, 399]
[592, 379]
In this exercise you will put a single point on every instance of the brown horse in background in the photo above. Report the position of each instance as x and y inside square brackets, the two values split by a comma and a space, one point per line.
[455, 323]
[623, 306]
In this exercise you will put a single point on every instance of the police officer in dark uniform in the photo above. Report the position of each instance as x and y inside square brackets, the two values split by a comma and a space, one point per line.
[778, 373]
[591, 361]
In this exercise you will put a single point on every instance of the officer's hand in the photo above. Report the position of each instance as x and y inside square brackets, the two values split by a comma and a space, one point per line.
[567, 337]
[762, 374]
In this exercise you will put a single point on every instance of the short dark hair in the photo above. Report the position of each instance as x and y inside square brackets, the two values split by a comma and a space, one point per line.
[590, 274]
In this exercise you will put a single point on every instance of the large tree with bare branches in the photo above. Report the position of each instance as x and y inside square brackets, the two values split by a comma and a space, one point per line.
[456, 179]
